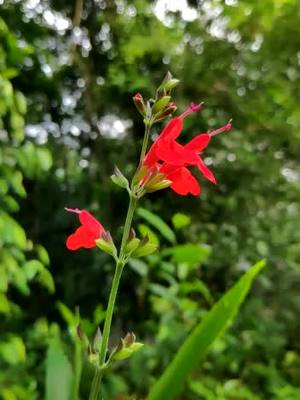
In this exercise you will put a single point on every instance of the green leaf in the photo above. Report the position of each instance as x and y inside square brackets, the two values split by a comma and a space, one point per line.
[13, 350]
[20, 101]
[70, 317]
[195, 347]
[42, 254]
[158, 223]
[45, 278]
[180, 220]
[5, 305]
[139, 266]
[11, 232]
[196, 286]
[32, 268]
[58, 373]
[44, 159]
[192, 254]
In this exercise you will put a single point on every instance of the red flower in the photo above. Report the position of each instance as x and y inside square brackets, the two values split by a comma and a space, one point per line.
[171, 158]
[86, 235]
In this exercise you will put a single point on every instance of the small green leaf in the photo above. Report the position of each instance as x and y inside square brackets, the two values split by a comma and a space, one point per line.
[195, 347]
[180, 220]
[119, 179]
[158, 223]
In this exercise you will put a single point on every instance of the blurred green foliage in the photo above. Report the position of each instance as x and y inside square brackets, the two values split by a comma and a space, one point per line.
[66, 118]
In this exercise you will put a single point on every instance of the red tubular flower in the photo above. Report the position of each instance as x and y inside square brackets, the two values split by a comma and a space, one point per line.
[171, 158]
[86, 235]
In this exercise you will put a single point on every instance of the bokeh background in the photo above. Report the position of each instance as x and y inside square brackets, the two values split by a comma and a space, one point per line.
[68, 71]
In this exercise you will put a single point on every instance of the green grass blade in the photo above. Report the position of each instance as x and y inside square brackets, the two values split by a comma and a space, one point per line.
[170, 384]
[58, 373]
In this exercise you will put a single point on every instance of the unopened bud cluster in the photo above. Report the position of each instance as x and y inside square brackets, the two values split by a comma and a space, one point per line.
[156, 110]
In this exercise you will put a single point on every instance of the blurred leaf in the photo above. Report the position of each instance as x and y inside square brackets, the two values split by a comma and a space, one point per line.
[180, 220]
[45, 278]
[199, 341]
[196, 286]
[158, 223]
[11, 232]
[192, 254]
[4, 304]
[42, 254]
[58, 373]
[20, 101]
[139, 266]
[70, 317]
[13, 350]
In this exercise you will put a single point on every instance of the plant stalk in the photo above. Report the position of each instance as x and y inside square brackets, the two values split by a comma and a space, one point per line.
[95, 389]
[145, 140]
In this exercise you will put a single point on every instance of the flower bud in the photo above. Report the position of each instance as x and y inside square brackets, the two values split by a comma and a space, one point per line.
[145, 248]
[129, 339]
[170, 108]
[156, 181]
[131, 245]
[161, 104]
[159, 186]
[82, 336]
[97, 341]
[140, 174]
[171, 84]
[167, 78]
[140, 104]
[106, 244]
[126, 347]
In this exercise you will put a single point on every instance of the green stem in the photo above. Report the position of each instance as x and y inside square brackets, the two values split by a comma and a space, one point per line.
[95, 389]
[107, 324]
[77, 369]
[111, 302]
[145, 141]
[127, 225]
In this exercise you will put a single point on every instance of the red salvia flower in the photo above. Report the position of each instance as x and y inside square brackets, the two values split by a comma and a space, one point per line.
[86, 235]
[172, 158]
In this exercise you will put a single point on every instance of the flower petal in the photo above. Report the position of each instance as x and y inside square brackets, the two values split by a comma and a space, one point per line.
[199, 143]
[91, 223]
[206, 171]
[80, 238]
[184, 182]
[174, 153]
[172, 130]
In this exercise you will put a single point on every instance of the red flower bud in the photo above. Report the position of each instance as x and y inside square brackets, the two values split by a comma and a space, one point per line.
[140, 104]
